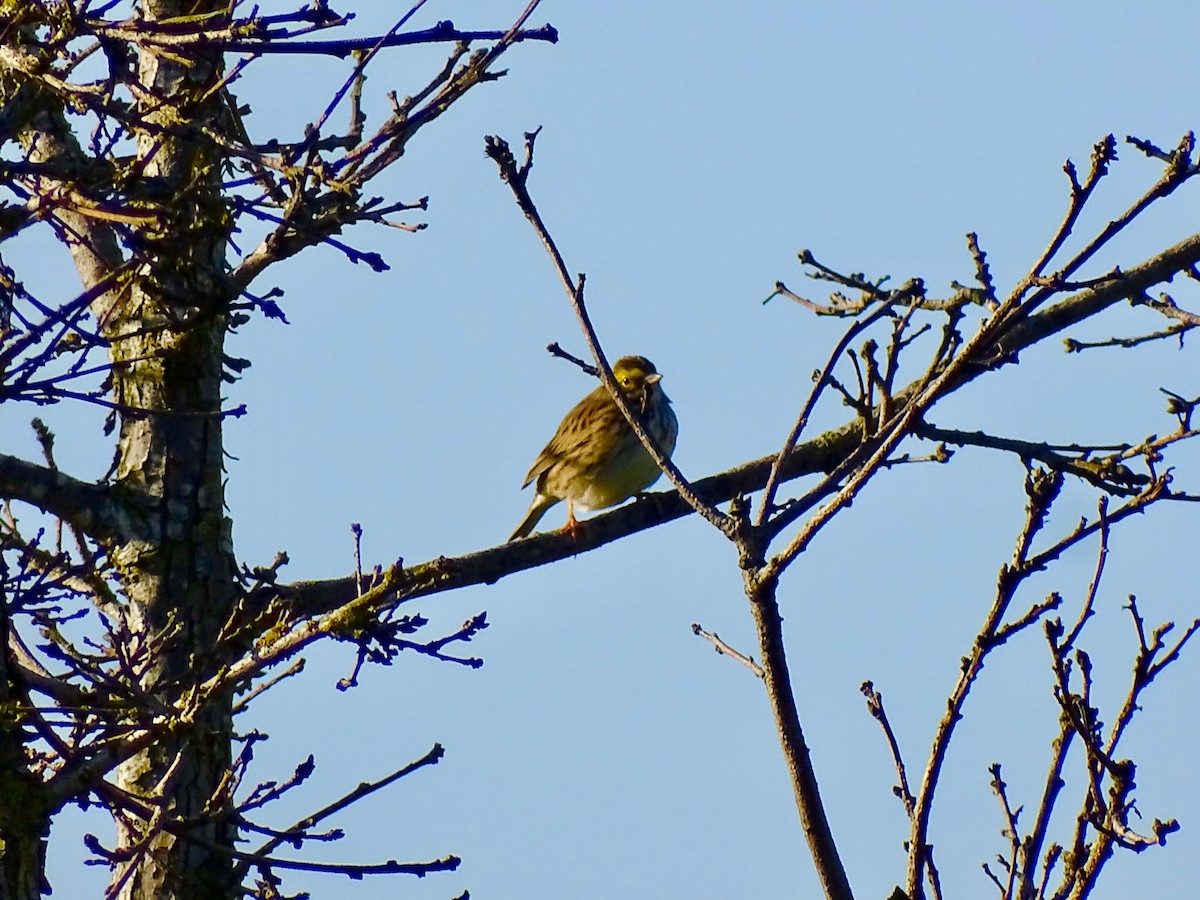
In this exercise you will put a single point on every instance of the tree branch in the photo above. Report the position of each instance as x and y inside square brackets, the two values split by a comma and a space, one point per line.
[89, 507]
[764, 607]
[516, 178]
[490, 565]
[821, 454]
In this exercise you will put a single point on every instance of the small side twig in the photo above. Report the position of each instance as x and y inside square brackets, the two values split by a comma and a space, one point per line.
[555, 350]
[875, 708]
[725, 650]
[309, 822]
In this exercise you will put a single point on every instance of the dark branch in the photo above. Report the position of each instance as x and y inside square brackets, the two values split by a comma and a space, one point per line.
[91, 508]
[441, 33]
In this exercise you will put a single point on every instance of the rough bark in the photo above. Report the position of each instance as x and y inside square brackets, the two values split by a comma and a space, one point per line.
[179, 579]
[24, 815]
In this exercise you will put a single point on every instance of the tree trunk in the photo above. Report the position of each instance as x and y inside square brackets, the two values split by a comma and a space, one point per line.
[167, 337]
[24, 818]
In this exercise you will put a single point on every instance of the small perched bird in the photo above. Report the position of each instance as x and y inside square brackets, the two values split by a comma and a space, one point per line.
[594, 459]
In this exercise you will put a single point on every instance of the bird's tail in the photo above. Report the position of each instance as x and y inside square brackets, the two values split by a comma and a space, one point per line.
[537, 509]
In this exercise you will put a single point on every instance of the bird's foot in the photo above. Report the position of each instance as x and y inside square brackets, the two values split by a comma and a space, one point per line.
[574, 527]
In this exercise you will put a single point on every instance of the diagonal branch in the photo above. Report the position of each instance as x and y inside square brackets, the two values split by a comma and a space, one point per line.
[42, 129]
[517, 178]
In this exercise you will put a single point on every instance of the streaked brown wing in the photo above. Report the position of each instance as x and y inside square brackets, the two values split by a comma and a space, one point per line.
[584, 437]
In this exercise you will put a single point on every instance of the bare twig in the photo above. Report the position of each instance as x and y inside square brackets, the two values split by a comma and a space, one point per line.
[875, 708]
[725, 650]
[298, 830]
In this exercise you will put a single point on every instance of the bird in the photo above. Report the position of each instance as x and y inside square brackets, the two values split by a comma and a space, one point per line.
[594, 460]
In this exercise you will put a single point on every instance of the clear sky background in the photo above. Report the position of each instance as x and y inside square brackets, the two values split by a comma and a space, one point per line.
[689, 151]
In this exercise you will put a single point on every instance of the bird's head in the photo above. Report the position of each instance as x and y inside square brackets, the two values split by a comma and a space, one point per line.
[634, 374]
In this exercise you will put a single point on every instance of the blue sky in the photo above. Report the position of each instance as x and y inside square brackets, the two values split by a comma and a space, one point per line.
[689, 151]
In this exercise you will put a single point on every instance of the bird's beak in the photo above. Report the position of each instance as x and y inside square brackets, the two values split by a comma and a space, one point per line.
[654, 379]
